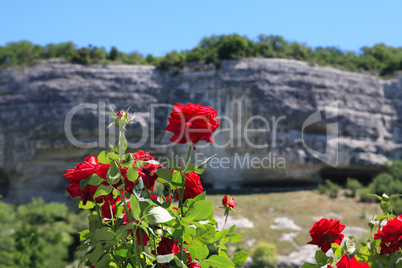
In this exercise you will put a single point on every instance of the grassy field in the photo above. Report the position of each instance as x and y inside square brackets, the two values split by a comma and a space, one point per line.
[301, 206]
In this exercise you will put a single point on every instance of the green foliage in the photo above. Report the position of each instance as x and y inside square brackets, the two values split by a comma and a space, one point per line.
[264, 255]
[389, 182]
[330, 188]
[352, 185]
[35, 235]
[380, 59]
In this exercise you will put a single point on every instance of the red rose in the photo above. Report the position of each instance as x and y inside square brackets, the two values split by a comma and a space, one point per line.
[147, 172]
[231, 203]
[81, 172]
[324, 232]
[193, 186]
[391, 236]
[192, 123]
[345, 262]
[168, 246]
[108, 210]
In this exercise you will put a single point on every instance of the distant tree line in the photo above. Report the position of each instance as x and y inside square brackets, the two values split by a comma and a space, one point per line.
[380, 59]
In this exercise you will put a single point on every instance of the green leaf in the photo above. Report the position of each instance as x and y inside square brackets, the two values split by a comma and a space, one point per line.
[112, 124]
[204, 235]
[221, 234]
[128, 160]
[113, 156]
[177, 178]
[95, 180]
[103, 159]
[380, 217]
[338, 251]
[88, 205]
[218, 262]
[199, 252]
[239, 258]
[104, 234]
[113, 173]
[132, 174]
[85, 234]
[138, 186]
[103, 190]
[236, 238]
[320, 257]
[103, 260]
[199, 170]
[200, 197]
[84, 183]
[231, 229]
[164, 173]
[200, 211]
[165, 258]
[135, 207]
[140, 163]
[222, 253]
[94, 223]
[157, 215]
[206, 161]
[95, 254]
[189, 167]
[179, 263]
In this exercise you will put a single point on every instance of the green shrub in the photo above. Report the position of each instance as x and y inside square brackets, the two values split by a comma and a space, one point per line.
[330, 188]
[35, 235]
[388, 182]
[352, 185]
[264, 255]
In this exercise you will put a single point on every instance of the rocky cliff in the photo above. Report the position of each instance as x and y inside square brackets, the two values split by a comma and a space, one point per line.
[283, 122]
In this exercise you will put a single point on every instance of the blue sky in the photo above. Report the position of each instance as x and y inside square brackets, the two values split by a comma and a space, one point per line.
[159, 26]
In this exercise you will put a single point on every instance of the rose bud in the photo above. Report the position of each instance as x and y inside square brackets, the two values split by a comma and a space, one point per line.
[121, 113]
[228, 201]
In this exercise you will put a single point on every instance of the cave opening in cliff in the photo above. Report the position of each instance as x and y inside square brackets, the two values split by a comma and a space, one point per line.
[4, 183]
[340, 175]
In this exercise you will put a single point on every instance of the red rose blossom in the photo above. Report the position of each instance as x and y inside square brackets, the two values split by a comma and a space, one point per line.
[231, 203]
[345, 262]
[147, 172]
[81, 172]
[324, 232]
[193, 186]
[192, 123]
[168, 246]
[391, 236]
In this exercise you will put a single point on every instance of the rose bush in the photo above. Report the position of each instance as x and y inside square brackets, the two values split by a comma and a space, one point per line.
[383, 249]
[129, 226]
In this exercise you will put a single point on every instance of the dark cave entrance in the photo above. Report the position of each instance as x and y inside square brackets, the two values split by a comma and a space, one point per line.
[340, 175]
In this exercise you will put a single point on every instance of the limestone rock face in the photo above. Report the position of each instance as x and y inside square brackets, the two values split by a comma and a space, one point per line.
[283, 122]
